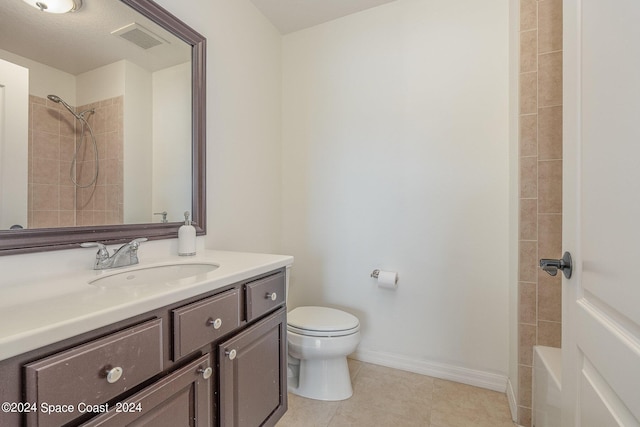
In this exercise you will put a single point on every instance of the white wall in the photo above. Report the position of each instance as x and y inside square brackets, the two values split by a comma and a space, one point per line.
[243, 125]
[138, 144]
[172, 141]
[101, 83]
[45, 80]
[243, 122]
[395, 156]
[514, 217]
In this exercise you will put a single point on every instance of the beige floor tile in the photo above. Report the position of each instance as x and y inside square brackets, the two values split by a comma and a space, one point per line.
[460, 405]
[308, 412]
[388, 393]
[385, 397]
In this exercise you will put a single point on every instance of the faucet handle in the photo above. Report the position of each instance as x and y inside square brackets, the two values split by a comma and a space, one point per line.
[138, 241]
[103, 252]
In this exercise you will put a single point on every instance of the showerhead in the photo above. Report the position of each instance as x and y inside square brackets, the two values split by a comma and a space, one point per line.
[58, 100]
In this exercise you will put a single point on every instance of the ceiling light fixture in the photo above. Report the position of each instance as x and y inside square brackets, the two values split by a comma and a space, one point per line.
[56, 6]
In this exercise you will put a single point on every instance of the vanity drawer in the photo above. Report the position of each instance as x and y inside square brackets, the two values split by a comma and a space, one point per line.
[264, 295]
[203, 322]
[93, 373]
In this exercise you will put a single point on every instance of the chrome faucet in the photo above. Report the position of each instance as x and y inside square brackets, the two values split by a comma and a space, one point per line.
[126, 254]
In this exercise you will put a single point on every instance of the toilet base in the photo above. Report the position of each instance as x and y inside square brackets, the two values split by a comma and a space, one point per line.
[323, 379]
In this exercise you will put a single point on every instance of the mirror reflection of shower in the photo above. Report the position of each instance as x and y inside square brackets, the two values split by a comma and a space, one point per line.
[83, 121]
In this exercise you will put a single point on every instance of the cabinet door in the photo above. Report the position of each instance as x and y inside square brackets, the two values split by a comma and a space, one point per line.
[182, 398]
[253, 380]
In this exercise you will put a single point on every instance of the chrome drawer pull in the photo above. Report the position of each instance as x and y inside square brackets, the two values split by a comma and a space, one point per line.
[206, 373]
[114, 374]
[231, 354]
[272, 296]
[215, 323]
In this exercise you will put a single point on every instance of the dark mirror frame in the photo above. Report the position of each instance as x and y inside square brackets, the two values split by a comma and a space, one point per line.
[48, 239]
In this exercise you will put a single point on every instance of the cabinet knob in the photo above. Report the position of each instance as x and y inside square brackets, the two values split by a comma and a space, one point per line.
[215, 323]
[272, 296]
[231, 354]
[114, 374]
[206, 373]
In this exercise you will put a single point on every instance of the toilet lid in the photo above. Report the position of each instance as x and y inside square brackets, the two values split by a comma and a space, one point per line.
[322, 321]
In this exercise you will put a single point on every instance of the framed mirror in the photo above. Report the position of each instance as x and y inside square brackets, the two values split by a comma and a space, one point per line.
[115, 117]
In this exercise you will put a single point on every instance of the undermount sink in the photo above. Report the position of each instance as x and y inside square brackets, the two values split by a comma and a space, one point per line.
[166, 274]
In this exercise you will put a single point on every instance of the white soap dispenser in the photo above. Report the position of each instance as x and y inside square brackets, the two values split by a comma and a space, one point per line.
[186, 237]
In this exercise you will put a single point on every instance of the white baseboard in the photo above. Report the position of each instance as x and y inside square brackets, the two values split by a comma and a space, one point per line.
[440, 370]
[513, 403]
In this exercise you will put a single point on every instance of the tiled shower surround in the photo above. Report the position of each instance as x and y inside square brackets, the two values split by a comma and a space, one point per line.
[540, 298]
[54, 201]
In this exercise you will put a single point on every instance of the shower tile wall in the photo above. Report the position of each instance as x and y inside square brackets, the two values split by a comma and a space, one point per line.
[540, 298]
[52, 200]
[102, 203]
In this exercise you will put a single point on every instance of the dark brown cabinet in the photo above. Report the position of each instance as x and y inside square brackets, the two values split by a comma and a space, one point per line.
[253, 381]
[183, 398]
[217, 359]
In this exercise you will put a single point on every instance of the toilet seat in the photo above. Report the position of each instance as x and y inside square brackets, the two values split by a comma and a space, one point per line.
[321, 322]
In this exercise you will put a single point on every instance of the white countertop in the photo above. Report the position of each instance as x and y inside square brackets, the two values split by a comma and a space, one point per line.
[40, 312]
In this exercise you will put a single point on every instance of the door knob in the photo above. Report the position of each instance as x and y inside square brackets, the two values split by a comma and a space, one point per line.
[551, 266]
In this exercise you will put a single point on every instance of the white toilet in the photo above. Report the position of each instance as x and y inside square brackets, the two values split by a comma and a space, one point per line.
[320, 338]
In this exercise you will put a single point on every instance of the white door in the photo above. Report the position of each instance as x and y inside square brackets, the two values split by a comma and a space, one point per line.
[14, 120]
[601, 302]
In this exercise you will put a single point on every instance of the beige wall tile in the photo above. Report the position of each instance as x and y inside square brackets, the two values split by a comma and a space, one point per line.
[524, 385]
[550, 133]
[550, 186]
[67, 197]
[528, 14]
[528, 135]
[528, 177]
[549, 25]
[527, 303]
[84, 218]
[99, 217]
[528, 51]
[46, 171]
[68, 124]
[526, 340]
[67, 218]
[528, 93]
[549, 333]
[550, 235]
[100, 198]
[46, 119]
[45, 219]
[524, 416]
[528, 260]
[549, 297]
[45, 145]
[46, 198]
[550, 79]
[67, 148]
[528, 219]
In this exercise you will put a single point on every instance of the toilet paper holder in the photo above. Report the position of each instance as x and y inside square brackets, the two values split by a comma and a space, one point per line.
[375, 273]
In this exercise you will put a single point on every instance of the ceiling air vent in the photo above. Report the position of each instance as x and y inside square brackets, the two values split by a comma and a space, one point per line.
[139, 35]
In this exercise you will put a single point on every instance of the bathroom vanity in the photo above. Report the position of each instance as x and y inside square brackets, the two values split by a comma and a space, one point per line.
[203, 351]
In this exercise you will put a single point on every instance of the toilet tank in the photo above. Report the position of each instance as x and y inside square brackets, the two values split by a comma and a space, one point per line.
[547, 372]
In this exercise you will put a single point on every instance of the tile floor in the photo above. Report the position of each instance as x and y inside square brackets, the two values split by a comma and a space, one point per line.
[389, 397]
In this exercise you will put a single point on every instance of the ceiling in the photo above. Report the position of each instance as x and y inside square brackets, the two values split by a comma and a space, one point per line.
[293, 15]
[82, 41]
